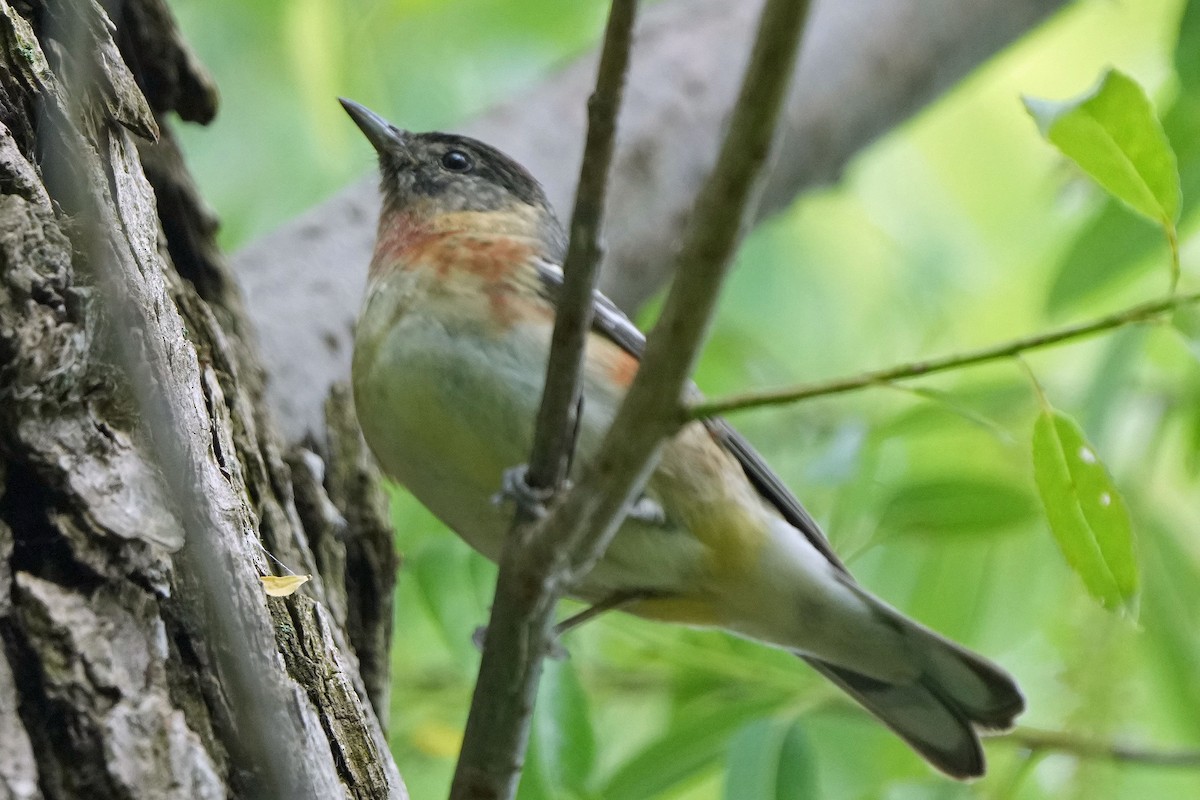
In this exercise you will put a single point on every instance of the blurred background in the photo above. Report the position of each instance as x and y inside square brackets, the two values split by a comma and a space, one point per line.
[960, 228]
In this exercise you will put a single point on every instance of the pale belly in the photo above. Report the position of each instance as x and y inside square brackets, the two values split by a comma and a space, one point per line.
[446, 414]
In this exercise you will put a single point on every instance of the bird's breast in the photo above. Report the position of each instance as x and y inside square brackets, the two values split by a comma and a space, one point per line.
[447, 401]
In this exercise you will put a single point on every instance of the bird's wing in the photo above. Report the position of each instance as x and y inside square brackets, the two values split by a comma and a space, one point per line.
[611, 323]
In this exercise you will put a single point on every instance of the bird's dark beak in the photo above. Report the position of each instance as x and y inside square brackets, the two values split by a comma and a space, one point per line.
[383, 135]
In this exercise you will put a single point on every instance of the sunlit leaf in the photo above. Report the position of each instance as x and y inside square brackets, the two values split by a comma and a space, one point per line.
[1113, 135]
[283, 585]
[770, 760]
[1086, 512]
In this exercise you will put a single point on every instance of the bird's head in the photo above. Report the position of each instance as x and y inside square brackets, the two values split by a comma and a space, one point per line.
[429, 176]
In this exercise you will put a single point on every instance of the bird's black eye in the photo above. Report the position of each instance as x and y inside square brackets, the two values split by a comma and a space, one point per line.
[457, 161]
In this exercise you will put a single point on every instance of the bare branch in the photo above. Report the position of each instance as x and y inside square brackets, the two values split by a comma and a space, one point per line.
[552, 440]
[537, 566]
[1133, 314]
[1093, 748]
[497, 732]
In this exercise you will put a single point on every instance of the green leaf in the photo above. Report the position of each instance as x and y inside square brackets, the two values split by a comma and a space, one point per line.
[1087, 514]
[563, 725]
[956, 506]
[771, 760]
[1115, 246]
[1171, 603]
[1113, 135]
[691, 745]
[1187, 48]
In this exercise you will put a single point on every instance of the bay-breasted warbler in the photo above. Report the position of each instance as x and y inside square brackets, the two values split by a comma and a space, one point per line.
[449, 360]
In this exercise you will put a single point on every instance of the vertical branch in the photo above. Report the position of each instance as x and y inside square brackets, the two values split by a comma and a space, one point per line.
[539, 563]
[590, 514]
[552, 441]
[528, 588]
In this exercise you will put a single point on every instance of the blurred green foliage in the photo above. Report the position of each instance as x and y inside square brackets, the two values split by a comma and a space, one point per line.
[961, 228]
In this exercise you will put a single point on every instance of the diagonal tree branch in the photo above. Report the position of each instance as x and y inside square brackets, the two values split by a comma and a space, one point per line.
[880, 377]
[537, 568]
[552, 440]
[1087, 747]
[497, 732]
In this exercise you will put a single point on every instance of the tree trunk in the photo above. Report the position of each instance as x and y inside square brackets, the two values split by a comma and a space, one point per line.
[140, 476]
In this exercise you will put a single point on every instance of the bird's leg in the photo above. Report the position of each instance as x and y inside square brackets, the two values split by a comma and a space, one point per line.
[610, 603]
[557, 651]
[576, 425]
[514, 483]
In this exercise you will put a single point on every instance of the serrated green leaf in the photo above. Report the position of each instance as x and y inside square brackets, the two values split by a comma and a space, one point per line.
[1114, 245]
[770, 760]
[1114, 136]
[956, 506]
[562, 723]
[1087, 514]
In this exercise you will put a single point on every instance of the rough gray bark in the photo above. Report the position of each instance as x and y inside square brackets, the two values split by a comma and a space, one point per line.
[867, 65]
[140, 476]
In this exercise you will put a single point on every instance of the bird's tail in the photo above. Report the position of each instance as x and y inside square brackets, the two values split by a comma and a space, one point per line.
[956, 694]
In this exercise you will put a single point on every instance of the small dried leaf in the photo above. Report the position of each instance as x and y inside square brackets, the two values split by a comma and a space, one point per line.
[283, 585]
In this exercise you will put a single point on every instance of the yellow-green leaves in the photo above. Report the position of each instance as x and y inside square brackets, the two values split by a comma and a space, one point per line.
[1086, 512]
[1113, 135]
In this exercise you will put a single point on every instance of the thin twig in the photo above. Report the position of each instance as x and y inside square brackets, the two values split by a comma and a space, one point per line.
[1088, 747]
[521, 625]
[915, 369]
[553, 441]
[589, 516]
[537, 567]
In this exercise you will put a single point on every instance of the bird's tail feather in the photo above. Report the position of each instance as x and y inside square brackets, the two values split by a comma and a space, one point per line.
[956, 694]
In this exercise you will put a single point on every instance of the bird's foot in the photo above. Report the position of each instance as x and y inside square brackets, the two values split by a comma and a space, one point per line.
[648, 511]
[514, 487]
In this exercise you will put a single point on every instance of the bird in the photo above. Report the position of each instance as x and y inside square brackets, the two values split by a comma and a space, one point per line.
[449, 360]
